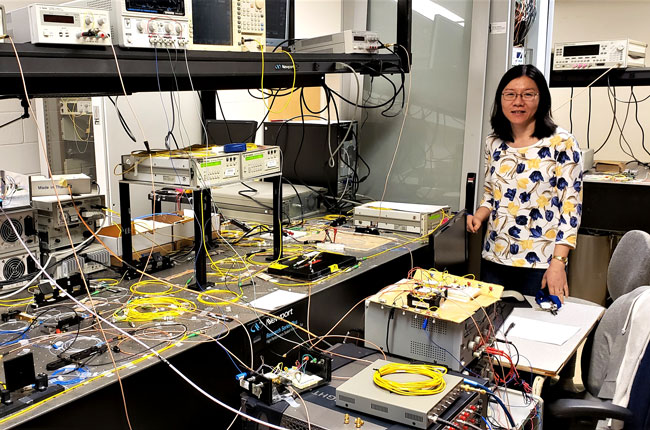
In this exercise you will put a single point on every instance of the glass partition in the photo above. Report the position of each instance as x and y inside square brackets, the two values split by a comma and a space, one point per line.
[427, 168]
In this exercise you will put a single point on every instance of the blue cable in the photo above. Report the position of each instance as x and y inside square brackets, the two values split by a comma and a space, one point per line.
[451, 355]
[23, 335]
[150, 215]
[83, 373]
[487, 423]
[491, 393]
[229, 356]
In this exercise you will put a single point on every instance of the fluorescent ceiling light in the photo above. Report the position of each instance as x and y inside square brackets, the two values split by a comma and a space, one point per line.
[430, 9]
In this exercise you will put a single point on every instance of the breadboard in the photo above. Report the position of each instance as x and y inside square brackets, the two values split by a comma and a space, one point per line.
[298, 379]
[351, 240]
[453, 309]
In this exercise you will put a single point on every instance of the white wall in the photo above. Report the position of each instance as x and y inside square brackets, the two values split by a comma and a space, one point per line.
[582, 20]
[19, 141]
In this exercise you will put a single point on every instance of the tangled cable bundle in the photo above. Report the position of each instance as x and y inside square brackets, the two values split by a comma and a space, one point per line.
[155, 308]
[433, 385]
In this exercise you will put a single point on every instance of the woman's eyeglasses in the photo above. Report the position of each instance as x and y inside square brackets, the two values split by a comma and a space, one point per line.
[511, 96]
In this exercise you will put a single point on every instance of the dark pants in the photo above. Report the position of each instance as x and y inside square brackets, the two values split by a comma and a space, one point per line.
[523, 279]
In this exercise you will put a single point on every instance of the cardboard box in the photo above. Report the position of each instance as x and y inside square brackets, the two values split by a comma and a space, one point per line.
[609, 166]
[144, 236]
[184, 226]
[172, 232]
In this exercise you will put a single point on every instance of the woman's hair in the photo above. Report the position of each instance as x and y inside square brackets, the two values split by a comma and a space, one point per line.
[544, 125]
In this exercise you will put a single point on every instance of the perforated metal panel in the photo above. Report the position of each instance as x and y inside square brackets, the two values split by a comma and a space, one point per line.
[413, 417]
[428, 351]
[379, 408]
[433, 325]
[295, 424]
[346, 399]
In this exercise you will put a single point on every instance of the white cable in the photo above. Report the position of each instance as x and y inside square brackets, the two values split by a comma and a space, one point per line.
[583, 90]
[160, 94]
[234, 419]
[198, 112]
[401, 130]
[176, 98]
[126, 96]
[135, 339]
[24, 287]
[331, 161]
[347, 182]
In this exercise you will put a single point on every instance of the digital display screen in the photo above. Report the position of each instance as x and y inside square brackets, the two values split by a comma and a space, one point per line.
[581, 50]
[277, 19]
[163, 7]
[212, 22]
[60, 19]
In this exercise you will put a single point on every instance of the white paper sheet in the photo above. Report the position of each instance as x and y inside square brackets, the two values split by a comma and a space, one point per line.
[539, 331]
[276, 300]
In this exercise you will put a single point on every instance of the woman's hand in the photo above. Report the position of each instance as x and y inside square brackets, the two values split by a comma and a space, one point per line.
[473, 224]
[555, 279]
[474, 221]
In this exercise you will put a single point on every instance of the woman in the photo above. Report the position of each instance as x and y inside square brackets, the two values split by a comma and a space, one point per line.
[532, 200]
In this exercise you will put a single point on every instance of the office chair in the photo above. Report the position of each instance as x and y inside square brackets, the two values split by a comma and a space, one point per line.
[628, 276]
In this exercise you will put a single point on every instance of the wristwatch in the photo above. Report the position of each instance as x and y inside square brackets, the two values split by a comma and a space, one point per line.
[564, 260]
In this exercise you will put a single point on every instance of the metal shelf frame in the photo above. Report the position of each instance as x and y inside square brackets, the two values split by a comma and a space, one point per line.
[75, 71]
[629, 77]
[52, 71]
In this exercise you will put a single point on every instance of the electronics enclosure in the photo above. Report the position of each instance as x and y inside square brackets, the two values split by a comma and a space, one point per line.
[145, 23]
[305, 161]
[61, 25]
[601, 54]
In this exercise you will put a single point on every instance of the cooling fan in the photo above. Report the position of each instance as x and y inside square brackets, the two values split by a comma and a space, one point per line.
[15, 267]
[15, 226]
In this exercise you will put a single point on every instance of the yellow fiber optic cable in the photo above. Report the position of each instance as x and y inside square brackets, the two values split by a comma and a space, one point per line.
[433, 385]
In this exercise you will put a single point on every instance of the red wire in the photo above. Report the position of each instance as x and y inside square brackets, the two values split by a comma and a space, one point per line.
[512, 372]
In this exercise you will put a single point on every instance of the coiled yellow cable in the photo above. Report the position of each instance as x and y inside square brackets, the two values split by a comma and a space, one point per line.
[154, 308]
[168, 288]
[216, 294]
[434, 385]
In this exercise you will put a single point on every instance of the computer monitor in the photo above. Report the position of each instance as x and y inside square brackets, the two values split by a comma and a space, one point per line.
[221, 132]
[279, 21]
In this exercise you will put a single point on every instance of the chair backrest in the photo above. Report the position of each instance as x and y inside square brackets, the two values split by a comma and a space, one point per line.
[608, 346]
[629, 267]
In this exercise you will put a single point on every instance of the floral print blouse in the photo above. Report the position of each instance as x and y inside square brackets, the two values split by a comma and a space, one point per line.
[534, 194]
